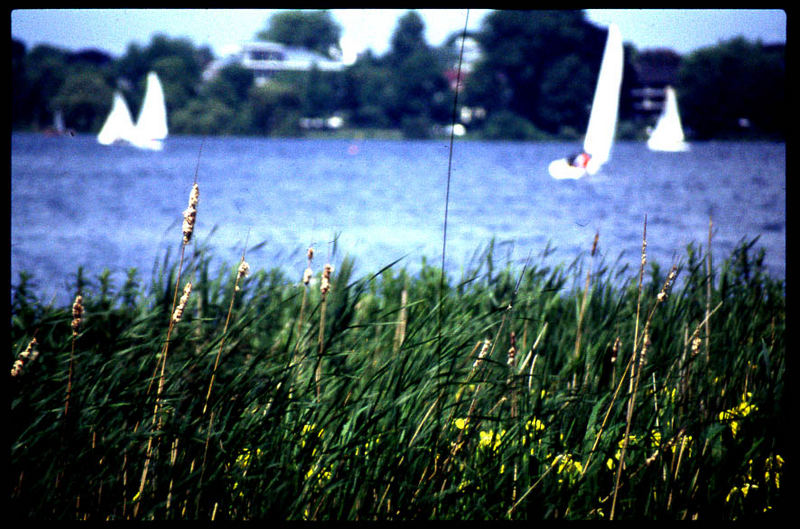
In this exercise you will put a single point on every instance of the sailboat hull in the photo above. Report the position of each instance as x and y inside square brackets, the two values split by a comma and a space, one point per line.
[667, 147]
[562, 170]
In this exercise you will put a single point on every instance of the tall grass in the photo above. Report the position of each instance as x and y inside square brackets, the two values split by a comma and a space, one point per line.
[325, 402]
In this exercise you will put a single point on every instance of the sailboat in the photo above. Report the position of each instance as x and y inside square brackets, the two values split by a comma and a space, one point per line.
[602, 125]
[150, 129]
[58, 128]
[668, 133]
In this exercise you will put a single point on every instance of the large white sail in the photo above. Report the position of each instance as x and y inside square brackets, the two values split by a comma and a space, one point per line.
[668, 133]
[151, 126]
[118, 125]
[603, 118]
[602, 125]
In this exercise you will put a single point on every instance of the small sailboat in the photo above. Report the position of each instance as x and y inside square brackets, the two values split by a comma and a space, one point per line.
[150, 129]
[58, 128]
[668, 134]
[602, 125]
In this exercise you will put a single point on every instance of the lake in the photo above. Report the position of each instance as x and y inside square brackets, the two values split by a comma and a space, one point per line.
[75, 202]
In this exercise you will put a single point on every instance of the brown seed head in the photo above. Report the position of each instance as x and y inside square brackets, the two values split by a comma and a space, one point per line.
[77, 314]
[190, 214]
[512, 351]
[176, 316]
[325, 284]
[482, 354]
[29, 354]
[244, 271]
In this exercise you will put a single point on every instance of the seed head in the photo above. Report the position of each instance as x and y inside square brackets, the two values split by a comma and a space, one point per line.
[190, 214]
[77, 314]
[244, 271]
[307, 275]
[482, 354]
[512, 351]
[696, 345]
[176, 316]
[667, 284]
[29, 354]
[325, 284]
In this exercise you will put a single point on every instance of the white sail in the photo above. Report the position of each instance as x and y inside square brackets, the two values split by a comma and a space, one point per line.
[603, 117]
[118, 125]
[151, 126]
[668, 133]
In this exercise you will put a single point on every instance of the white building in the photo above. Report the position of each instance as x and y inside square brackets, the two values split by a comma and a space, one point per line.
[265, 59]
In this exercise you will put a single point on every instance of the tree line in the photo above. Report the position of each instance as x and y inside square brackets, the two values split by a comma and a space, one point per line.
[534, 79]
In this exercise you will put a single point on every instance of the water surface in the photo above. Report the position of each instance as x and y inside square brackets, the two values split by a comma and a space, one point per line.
[74, 202]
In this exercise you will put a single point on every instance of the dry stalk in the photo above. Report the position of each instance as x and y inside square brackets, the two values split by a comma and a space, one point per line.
[579, 331]
[306, 280]
[632, 365]
[77, 319]
[400, 329]
[324, 288]
[242, 272]
[708, 288]
[189, 217]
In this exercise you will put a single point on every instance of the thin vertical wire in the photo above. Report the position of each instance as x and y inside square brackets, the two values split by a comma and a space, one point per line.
[444, 230]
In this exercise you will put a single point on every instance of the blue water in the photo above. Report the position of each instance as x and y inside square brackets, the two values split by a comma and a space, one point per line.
[74, 202]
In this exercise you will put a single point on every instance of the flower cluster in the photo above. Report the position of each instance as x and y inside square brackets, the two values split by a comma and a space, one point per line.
[734, 415]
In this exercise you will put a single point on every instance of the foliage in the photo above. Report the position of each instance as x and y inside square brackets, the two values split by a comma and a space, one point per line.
[419, 410]
[735, 80]
[313, 30]
[540, 66]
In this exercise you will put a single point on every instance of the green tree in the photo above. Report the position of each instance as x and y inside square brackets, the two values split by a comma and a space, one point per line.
[231, 85]
[20, 91]
[733, 81]
[321, 93]
[417, 90]
[313, 30]
[276, 109]
[205, 117]
[45, 70]
[540, 65]
[178, 63]
[364, 86]
[84, 98]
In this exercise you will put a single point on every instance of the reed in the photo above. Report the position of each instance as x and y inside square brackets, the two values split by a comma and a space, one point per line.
[514, 439]
[77, 319]
[178, 307]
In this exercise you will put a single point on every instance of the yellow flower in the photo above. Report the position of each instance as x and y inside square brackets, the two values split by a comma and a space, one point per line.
[460, 423]
[324, 475]
[489, 439]
[534, 424]
[733, 415]
[567, 465]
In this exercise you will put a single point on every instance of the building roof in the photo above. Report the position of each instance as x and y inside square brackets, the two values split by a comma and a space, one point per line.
[263, 57]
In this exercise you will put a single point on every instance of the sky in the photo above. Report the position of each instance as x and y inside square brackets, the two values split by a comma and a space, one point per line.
[112, 30]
